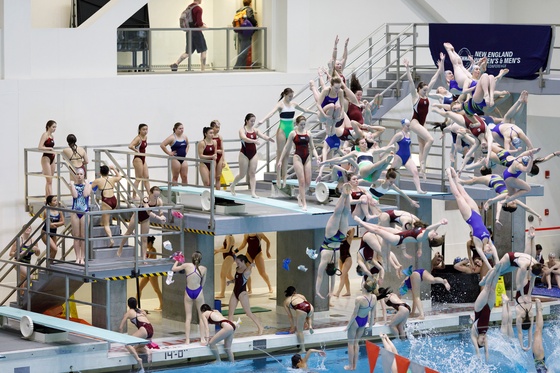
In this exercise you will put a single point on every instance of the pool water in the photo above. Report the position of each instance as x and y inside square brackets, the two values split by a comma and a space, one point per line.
[442, 352]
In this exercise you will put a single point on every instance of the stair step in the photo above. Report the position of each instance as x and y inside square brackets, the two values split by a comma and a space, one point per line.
[371, 92]
[111, 252]
[384, 83]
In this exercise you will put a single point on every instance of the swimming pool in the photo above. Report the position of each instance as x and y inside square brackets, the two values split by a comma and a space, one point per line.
[444, 353]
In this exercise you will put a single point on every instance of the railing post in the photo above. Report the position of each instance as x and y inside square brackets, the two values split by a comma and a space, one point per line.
[414, 43]
[212, 222]
[399, 85]
[370, 54]
[107, 305]
[265, 48]
[387, 40]
[86, 243]
[26, 179]
[268, 146]
[66, 296]
[189, 48]
[228, 51]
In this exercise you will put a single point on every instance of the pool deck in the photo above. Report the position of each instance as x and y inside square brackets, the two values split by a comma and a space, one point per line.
[17, 353]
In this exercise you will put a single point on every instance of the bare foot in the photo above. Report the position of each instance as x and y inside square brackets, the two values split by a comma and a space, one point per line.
[347, 294]
[111, 242]
[220, 296]
[187, 341]
[232, 189]
[119, 251]
[255, 196]
[158, 308]
[336, 294]
[300, 204]
[260, 331]
[446, 284]
[320, 296]
[348, 367]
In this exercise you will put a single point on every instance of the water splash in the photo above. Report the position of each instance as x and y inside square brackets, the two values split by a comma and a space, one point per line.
[278, 361]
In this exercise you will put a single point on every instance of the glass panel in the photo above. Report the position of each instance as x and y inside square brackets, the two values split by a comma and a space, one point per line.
[157, 50]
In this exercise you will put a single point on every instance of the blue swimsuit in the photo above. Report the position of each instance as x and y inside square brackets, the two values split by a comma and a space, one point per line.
[477, 225]
[362, 321]
[193, 294]
[407, 281]
[180, 148]
[80, 203]
[333, 141]
[508, 174]
[498, 183]
[329, 100]
[404, 149]
[339, 237]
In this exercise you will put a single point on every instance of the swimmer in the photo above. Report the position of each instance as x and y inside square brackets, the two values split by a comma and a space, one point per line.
[196, 277]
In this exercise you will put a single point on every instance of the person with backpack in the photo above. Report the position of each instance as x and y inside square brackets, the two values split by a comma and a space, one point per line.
[192, 18]
[244, 17]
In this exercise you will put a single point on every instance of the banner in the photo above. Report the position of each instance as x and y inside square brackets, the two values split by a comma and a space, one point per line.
[523, 49]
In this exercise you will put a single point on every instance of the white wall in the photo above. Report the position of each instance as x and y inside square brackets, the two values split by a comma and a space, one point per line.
[72, 76]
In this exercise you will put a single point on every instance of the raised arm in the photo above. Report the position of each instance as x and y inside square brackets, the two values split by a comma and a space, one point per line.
[438, 72]
[413, 91]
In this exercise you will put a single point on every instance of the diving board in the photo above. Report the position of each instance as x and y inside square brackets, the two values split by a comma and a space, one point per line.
[69, 326]
[204, 193]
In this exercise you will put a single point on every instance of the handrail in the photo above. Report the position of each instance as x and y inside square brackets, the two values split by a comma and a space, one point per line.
[28, 290]
[168, 181]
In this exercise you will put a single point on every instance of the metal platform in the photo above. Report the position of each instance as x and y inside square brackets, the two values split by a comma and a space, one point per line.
[116, 267]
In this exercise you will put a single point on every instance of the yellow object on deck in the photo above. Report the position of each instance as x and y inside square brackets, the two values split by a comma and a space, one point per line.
[500, 289]
[73, 308]
[227, 176]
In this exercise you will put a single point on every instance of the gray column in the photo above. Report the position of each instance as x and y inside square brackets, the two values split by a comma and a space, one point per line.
[117, 302]
[425, 261]
[292, 244]
[173, 295]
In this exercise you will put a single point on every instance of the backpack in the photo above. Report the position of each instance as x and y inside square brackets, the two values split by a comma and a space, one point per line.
[186, 19]
[239, 18]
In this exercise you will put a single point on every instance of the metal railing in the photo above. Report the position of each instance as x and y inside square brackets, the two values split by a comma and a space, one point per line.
[26, 292]
[156, 44]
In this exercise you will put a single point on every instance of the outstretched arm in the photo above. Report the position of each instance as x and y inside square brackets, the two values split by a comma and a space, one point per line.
[438, 72]
[413, 91]
[269, 115]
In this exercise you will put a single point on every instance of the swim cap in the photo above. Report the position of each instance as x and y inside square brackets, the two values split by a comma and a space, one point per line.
[525, 160]
[405, 121]
[516, 141]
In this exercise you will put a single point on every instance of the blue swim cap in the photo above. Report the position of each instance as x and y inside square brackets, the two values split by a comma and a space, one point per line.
[516, 141]
[525, 160]
[405, 121]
